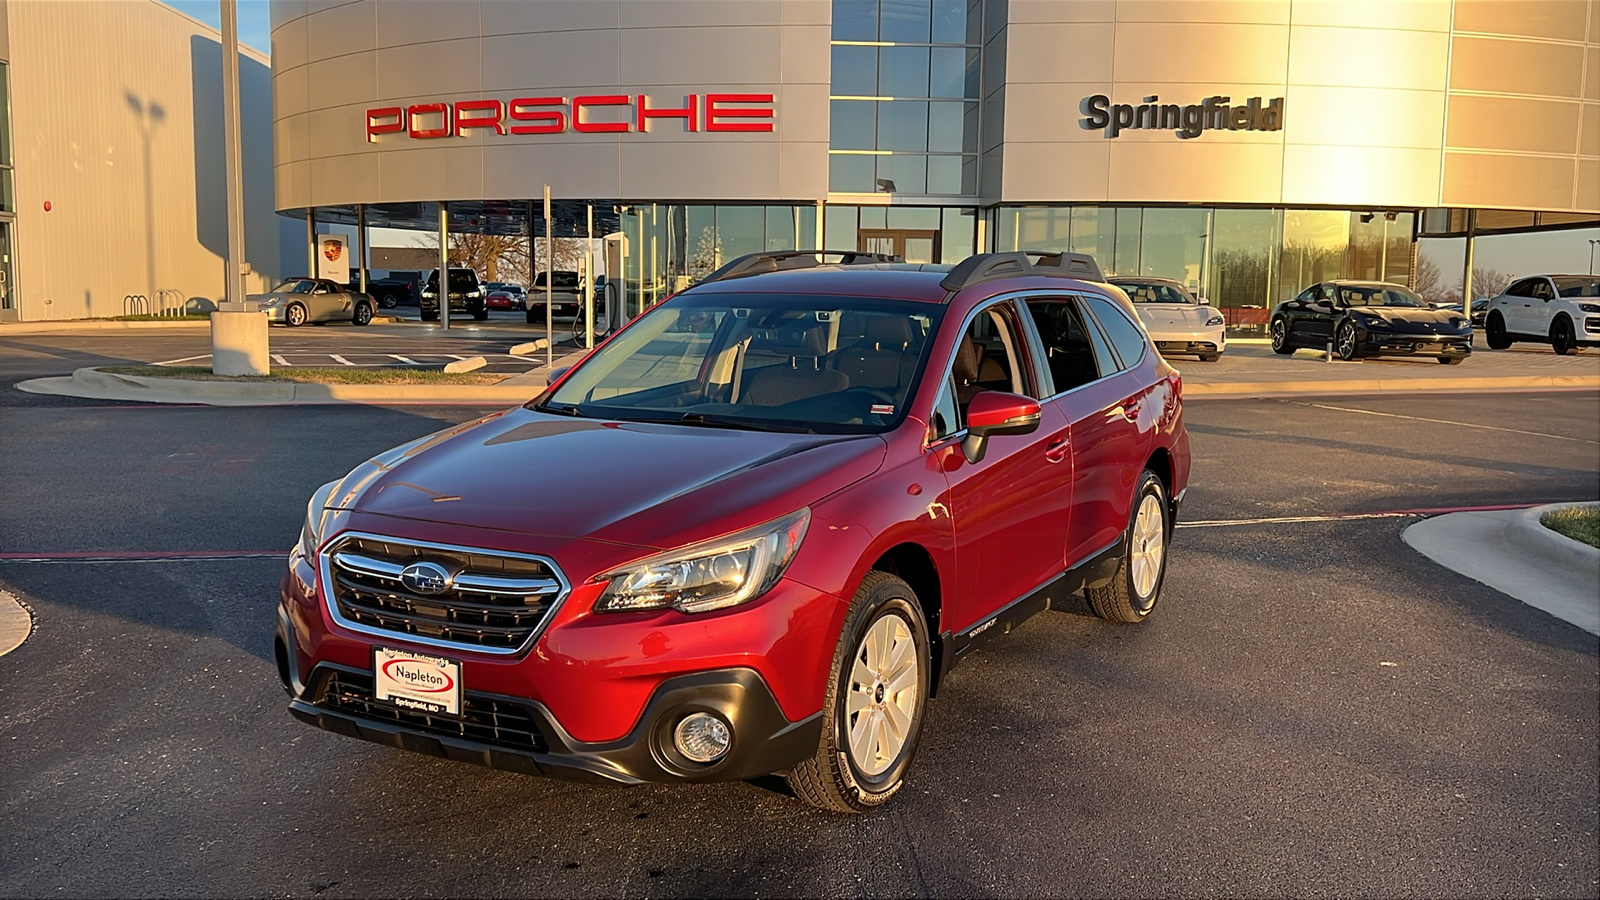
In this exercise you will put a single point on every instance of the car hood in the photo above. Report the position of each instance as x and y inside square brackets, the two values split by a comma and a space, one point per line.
[270, 295]
[1169, 314]
[645, 485]
[1411, 318]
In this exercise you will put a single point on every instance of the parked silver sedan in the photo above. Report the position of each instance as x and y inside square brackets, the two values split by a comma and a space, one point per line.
[301, 300]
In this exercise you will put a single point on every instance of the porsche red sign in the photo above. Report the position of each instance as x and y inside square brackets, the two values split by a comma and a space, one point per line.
[590, 114]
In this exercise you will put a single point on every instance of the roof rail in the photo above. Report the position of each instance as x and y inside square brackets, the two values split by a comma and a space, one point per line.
[778, 260]
[989, 266]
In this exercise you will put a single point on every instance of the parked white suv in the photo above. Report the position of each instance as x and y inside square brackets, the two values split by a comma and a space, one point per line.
[1561, 309]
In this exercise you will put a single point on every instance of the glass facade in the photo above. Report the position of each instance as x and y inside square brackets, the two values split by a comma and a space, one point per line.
[1243, 260]
[673, 245]
[8, 194]
[904, 97]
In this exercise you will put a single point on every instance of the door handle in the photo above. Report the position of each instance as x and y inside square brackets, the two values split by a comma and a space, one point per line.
[1057, 450]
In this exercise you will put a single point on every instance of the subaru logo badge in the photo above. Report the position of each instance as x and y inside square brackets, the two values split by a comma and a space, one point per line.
[425, 578]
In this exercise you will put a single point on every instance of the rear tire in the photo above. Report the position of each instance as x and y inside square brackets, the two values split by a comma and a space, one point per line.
[1562, 338]
[1210, 357]
[1452, 360]
[1494, 331]
[876, 701]
[1280, 337]
[1133, 591]
[362, 315]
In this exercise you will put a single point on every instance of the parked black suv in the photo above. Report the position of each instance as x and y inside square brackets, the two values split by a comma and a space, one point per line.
[466, 295]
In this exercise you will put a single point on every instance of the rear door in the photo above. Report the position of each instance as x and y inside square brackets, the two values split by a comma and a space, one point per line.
[1515, 304]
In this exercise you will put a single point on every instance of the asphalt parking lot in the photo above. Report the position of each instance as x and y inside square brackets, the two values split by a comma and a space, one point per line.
[1316, 709]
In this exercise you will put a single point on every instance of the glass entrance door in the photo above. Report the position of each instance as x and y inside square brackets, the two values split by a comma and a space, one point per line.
[911, 244]
[8, 300]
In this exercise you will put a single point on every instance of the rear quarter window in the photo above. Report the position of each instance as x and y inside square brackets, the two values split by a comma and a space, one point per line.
[1125, 336]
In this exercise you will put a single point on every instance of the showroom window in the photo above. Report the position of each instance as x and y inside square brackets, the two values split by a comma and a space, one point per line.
[904, 97]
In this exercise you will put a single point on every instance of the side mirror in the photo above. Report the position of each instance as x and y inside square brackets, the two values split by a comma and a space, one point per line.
[555, 374]
[1204, 301]
[994, 412]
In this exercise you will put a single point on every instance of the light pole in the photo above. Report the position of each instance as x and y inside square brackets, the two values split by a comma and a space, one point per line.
[1592, 245]
[238, 330]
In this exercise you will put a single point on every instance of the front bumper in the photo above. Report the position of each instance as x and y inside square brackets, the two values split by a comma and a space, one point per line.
[1198, 340]
[1440, 345]
[596, 696]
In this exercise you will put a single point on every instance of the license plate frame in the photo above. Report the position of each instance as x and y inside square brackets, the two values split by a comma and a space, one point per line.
[417, 682]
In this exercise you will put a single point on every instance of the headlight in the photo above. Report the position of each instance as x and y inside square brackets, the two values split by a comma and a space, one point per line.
[428, 293]
[474, 293]
[269, 303]
[709, 575]
[1590, 307]
[1214, 321]
[316, 512]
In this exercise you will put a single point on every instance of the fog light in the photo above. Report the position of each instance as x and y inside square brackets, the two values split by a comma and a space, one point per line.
[702, 737]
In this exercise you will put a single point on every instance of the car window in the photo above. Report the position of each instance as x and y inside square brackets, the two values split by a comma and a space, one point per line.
[1523, 288]
[1542, 291]
[1069, 347]
[1126, 337]
[294, 286]
[989, 357]
[564, 281]
[1153, 292]
[778, 362]
[1372, 295]
[1578, 287]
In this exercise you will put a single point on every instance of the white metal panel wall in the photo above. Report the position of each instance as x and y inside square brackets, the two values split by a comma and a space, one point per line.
[1386, 103]
[336, 60]
[116, 122]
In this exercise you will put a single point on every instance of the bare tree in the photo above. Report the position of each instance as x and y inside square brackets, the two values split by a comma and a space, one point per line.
[1489, 282]
[1432, 285]
[487, 254]
[1426, 279]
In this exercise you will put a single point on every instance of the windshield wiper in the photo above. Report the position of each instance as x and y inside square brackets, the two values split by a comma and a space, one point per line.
[566, 409]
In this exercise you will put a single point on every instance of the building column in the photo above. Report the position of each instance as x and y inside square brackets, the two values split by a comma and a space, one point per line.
[444, 265]
[311, 242]
[361, 243]
[1466, 262]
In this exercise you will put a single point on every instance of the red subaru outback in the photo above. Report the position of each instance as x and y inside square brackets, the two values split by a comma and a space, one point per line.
[752, 532]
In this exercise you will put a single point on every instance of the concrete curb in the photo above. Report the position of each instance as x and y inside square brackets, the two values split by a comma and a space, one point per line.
[1525, 533]
[470, 364]
[103, 386]
[58, 326]
[15, 623]
[1384, 385]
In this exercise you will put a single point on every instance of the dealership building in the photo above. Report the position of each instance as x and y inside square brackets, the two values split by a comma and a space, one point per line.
[1246, 149]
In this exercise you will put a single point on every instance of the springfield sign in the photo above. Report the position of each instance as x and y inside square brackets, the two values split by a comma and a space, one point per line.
[1213, 113]
[591, 114]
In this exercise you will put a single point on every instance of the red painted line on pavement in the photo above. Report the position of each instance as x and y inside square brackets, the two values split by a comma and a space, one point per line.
[141, 555]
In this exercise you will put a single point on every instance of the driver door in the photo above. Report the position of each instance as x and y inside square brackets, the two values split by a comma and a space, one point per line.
[1316, 329]
[1010, 509]
[1540, 309]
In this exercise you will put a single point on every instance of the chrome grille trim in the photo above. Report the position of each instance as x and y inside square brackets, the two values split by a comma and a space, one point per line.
[442, 611]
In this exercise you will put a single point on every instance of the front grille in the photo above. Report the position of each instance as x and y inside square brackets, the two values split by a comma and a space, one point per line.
[483, 719]
[1592, 324]
[494, 602]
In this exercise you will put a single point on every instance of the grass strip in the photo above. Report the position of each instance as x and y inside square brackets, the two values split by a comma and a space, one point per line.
[1581, 523]
[340, 375]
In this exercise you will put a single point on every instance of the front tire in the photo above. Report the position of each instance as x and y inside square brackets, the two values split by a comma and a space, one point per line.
[1494, 331]
[1452, 360]
[1562, 339]
[432, 316]
[294, 315]
[1280, 337]
[1133, 591]
[876, 702]
[1346, 341]
[1210, 357]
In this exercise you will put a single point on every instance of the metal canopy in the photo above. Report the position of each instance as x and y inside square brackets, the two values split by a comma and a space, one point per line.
[506, 217]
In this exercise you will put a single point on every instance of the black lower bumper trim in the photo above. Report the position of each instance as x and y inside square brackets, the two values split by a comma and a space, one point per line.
[764, 740]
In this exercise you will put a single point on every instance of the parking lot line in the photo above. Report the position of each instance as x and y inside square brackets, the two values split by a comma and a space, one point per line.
[1370, 412]
[279, 360]
[173, 362]
[340, 360]
[409, 362]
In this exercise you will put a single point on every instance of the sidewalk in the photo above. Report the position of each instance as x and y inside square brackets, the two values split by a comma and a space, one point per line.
[15, 623]
[1511, 552]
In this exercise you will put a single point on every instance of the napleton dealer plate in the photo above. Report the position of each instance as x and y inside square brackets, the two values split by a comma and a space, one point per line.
[414, 681]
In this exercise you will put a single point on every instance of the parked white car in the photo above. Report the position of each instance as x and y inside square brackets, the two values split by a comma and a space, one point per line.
[1561, 309]
[1176, 321]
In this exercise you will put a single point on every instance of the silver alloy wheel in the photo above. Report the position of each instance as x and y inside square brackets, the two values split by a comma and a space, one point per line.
[1149, 546]
[1280, 335]
[883, 698]
[1347, 341]
[295, 314]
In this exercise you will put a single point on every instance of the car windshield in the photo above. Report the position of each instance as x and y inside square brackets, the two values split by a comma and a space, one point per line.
[564, 281]
[1578, 287]
[1154, 292]
[1387, 295]
[764, 362]
[295, 286]
[456, 276]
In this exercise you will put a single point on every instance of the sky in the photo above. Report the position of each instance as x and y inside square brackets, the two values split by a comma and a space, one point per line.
[255, 23]
[1520, 254]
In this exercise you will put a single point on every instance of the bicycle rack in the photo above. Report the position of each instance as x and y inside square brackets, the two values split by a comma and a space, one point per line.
[170, 302]
[135, 305]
